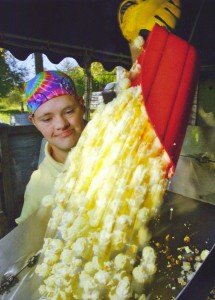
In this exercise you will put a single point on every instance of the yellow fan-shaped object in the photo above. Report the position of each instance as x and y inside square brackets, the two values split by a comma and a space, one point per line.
[136, 15]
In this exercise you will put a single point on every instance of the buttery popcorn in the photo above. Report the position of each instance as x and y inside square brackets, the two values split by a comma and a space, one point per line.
[102, 277]
[113, 184]
[139, 275]
[123, 289]
[138, 42]
[122, 261]
[204, 254]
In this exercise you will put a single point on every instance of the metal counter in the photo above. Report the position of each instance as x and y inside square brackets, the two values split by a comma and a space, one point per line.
[195, 172]
[179, 217]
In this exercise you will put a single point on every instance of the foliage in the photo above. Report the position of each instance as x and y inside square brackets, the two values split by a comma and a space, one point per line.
[11, 76]
[7, 109]
[100, 77]
[16, 97]
[76, 73]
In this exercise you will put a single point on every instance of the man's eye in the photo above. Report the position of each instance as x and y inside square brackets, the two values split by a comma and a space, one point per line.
[69, 112]
[46, 120]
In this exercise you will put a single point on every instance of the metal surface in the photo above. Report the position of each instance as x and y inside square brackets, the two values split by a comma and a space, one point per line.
[195, 172]
[179, 216]
[205, 272]
[16, 249]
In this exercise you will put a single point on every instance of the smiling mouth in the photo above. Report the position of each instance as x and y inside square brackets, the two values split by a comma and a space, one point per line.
[66, 133]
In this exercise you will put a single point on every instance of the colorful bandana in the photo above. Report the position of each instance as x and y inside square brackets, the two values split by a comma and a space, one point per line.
[45, 86]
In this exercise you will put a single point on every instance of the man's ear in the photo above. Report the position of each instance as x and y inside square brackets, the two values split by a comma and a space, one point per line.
[81, 102]
[31, 118]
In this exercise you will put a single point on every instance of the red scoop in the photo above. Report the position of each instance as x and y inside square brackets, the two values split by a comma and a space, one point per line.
[169, 72]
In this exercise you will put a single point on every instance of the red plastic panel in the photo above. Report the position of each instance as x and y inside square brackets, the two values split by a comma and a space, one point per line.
[168, 78]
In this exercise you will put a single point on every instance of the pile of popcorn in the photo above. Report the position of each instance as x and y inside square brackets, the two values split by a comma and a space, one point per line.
[191, 264]
[113, 184]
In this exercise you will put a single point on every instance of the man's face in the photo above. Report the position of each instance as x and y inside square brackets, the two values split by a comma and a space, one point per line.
[60, 120]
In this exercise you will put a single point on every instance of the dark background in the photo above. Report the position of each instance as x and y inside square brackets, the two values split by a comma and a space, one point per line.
[91, 24]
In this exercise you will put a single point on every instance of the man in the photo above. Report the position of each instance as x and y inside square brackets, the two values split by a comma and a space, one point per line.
[57, 112]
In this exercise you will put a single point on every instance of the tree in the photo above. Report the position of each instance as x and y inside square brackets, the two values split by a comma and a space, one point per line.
[12, 78]
[6, 81]
[100, 76]
[76, 73]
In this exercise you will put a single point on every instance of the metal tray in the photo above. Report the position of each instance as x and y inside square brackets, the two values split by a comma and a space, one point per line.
[179, 217]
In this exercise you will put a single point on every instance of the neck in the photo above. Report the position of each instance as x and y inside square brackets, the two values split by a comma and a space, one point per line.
[58, 154]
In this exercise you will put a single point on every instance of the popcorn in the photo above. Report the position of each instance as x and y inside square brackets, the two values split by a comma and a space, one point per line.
[108, 265]
[43, 270]
[80, 247]
[87, 283]
[56, 245]
[123, 84]
[60, 270]
[121, 262]
[139, 275]
[197, 265]
[94, 295]
[67, 219]
[113, 183]
[66, 256]
[143, 215]
[148, 255]
[123, 289]
[118, 239]
[150, 268]
[51, 258]
[42, 289]
[102, 277]
[187, 249]
[89, 268]
[119, 276]
[138, 42]
[123, 221]
[143, 236]
[204, 254]
[186, 266]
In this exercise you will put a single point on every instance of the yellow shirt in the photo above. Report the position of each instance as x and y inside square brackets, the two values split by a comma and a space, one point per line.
[41, 184]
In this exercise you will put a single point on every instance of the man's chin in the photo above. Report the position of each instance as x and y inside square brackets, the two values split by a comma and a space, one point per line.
[66, 146]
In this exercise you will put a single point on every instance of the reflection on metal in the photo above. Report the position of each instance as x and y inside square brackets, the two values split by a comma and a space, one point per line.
[193, 115]
[170, 213]
[206, 118]
[201, 158]
[196, 20]
[33, 260]
[195, 170]
[15, 249]
[9, 280]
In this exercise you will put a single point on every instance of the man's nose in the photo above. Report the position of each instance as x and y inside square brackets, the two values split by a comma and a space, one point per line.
[61, 123]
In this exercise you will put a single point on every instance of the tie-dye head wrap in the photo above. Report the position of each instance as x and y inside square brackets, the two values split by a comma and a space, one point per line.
[45, 86]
